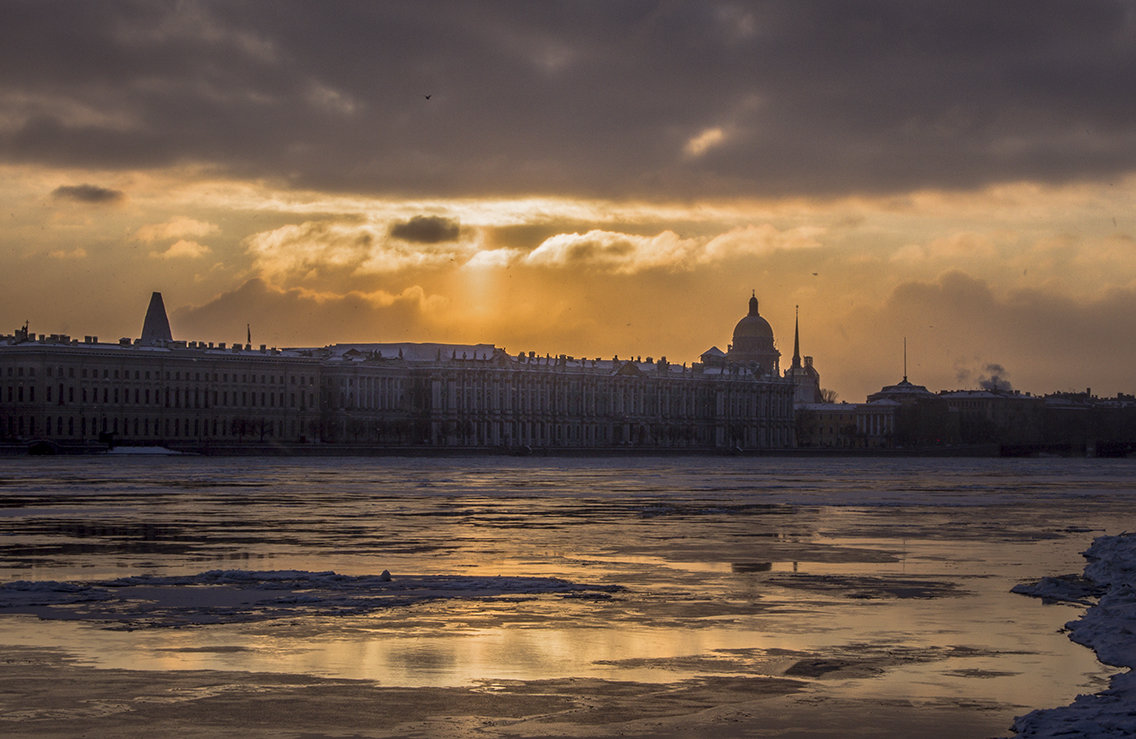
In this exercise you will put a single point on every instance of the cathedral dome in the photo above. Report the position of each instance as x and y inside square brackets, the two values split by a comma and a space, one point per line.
[753, 342]
[753, 328]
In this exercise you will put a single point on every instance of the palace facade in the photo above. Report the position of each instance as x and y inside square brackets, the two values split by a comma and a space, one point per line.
[58, 390]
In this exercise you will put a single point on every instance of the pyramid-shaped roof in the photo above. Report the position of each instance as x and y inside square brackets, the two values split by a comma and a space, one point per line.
[156, 327]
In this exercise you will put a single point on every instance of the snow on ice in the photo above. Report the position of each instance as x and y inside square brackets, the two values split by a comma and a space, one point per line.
[1108, 627]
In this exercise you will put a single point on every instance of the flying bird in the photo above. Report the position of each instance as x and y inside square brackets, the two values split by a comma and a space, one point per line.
[426, 96]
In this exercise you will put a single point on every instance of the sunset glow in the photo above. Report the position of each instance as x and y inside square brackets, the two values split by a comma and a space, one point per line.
[592, 181]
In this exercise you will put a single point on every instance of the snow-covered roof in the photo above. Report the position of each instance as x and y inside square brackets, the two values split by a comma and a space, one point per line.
[409, 351]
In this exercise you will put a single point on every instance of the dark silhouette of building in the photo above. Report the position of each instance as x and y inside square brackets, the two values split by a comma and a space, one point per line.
[752, 344]
[806, 379]
[155, 390]
[156, 327]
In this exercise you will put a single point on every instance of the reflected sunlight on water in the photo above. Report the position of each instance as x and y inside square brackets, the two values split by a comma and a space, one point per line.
[874, 577]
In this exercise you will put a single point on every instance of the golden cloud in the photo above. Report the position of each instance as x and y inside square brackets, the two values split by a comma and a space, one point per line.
[706, 139]
[77, 253]
[623, 253]
[183, 249]
[324, 250]
[316, 250]
[494, 258]
[956, 247]
[608, 250]
[175, 228]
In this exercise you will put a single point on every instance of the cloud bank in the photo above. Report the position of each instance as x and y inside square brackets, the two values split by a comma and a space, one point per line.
[639, 98]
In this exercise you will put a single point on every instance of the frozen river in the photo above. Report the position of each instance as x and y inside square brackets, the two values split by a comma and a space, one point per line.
[875, 592]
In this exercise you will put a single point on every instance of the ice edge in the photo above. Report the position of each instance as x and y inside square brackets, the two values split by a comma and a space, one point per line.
[1108, 627]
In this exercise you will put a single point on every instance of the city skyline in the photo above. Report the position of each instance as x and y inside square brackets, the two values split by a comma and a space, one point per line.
[585, 179]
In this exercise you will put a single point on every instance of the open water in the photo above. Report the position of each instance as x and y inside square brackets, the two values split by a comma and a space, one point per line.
[879, 578]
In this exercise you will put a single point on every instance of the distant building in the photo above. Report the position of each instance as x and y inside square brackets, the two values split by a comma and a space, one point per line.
[899, 416]
[1084, 422]
[58, 388]
[846, 425]
[903, 392]
[997, 416]
[826, 425]
[155, 390]
[752, 346]
[805, 378]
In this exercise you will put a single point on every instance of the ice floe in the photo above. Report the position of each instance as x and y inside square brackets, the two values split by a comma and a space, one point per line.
[230, 596]
[1108, 627]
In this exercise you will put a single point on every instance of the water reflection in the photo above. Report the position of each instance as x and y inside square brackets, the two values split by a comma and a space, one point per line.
[751, 566]
[887, 578]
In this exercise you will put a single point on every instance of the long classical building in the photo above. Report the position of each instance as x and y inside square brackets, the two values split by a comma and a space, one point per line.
[56, 390]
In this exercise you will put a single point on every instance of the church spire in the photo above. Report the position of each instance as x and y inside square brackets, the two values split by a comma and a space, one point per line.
[797, 337]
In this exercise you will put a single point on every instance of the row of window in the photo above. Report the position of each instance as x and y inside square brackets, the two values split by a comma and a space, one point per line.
[177, 375]
[71, 427]
[170, 398]
[535, 433]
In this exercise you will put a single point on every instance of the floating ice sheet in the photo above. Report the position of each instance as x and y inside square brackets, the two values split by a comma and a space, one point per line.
[230, 596]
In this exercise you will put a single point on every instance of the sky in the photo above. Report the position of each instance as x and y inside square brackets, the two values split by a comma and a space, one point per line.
[586, 178]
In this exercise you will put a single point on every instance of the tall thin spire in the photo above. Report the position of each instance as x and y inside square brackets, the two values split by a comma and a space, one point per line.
[797, 337]
[905, 359]
[156, 327]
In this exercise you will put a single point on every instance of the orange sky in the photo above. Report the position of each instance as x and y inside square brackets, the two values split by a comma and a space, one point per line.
[986, 216]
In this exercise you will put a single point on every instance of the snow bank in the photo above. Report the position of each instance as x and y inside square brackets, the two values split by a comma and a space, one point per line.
[1108, 627]
[230, 596]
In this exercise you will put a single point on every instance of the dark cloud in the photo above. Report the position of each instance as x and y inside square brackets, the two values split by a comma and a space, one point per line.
[427, 229]
[1049, 338]
[87, 194]
[293, 317]
[585, 98]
